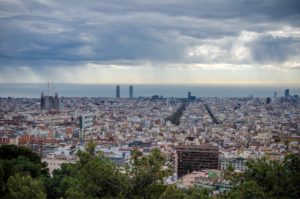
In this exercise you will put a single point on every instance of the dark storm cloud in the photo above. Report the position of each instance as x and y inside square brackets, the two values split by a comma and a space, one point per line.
[46, 33]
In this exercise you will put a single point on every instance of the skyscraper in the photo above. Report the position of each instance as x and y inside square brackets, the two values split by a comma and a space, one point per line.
[56, 101]
[118, 91]
[130, 91]
[287, 93]
[42, 101]
[189, 94]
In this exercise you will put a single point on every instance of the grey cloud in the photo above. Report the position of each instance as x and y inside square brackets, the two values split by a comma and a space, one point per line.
[41, 33]
[274, 50]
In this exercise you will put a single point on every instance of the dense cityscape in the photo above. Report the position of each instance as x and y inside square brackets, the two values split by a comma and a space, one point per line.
[193, 99]
[200, 137]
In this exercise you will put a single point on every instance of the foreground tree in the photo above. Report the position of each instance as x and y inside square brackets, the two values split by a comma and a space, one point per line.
[64, 182]
[270, 179]
[22, 175]
[147, 174]
[18, 161]
[291, 166]
[25, 187]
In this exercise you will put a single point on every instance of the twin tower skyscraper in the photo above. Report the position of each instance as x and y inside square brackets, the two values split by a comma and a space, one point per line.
[118, 90]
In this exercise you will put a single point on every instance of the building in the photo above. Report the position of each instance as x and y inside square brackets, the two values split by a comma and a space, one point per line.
[238, 163]
[118, 91]
[190, 97]
[42, 101]
[287, 93]
[130, 91]
[85, 121]
[55, 161]
[49, 102]
[191, 158]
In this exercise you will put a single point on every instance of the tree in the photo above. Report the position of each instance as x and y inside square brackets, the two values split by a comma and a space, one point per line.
[291, 165]
[93, 176]
[172, 192]
[197, 192]
[147, 174]
[247, 190]
[2, 181]
[100, 177]
[21, 161]
[17, 159]
[191, 193]
[63, 181]
[233, 177]
[268, 175]
[25, 187]
[270, 179]
[9, 152]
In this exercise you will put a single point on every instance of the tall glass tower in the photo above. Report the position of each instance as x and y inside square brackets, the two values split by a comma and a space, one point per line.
[118, 91]
[130, 91]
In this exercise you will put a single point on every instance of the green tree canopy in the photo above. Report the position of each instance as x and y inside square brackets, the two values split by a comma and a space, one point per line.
[9, 152]
[270, 179]
[25, 187]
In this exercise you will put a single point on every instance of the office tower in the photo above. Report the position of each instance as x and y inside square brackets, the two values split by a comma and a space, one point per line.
[287, 93]
[275, 94]
[130, 91]
[56, 101]
[118, 91]
[42, 101]
[189, 95]
[191, 158]
[268, 101]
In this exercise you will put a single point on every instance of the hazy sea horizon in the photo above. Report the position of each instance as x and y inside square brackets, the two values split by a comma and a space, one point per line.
[33, 90]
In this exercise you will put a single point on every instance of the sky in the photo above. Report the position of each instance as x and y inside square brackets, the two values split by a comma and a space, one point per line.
[148, 41]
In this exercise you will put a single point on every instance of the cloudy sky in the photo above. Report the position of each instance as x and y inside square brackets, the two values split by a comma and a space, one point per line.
[150, 41]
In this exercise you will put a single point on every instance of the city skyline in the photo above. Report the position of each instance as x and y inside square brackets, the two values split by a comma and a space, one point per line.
[149, 42]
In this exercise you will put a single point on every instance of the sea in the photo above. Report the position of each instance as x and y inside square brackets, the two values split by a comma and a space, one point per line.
[143, 90]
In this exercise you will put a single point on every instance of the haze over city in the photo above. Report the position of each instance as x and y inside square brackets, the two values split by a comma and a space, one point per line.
[150, 42]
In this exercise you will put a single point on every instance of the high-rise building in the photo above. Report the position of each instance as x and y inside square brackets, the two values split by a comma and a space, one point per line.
[191, 158]
[189, 94]
[130, 91]
[85, 121]
[56, 101]
[118, 91]
[275, 94]
[42, 100]
[287, 93]
[190, 97]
